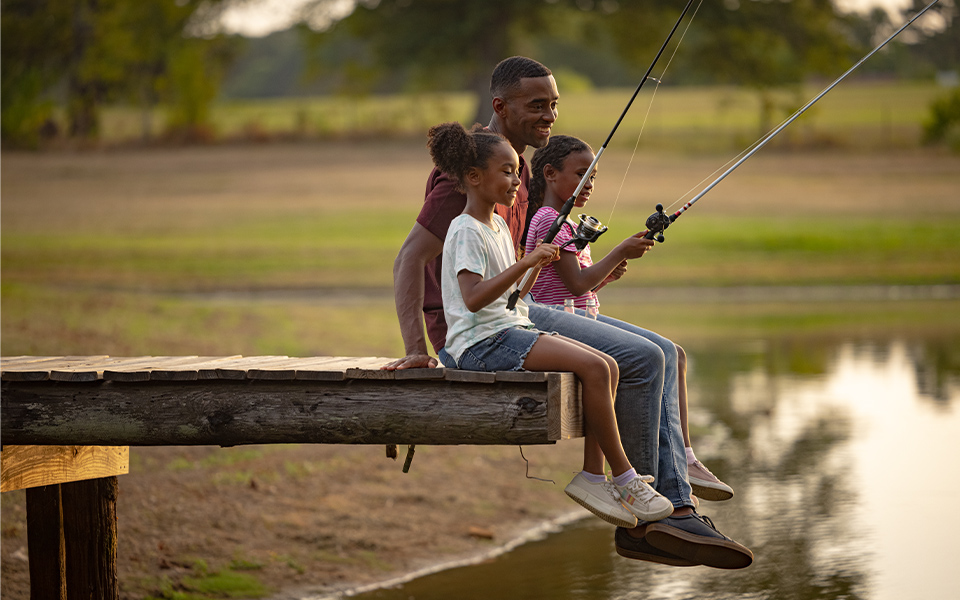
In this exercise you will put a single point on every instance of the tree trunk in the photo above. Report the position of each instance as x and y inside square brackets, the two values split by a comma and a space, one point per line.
[82, 92]
[480, 85]
[493, 48]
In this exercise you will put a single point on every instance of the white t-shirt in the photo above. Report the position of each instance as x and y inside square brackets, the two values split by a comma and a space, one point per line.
[475, 247]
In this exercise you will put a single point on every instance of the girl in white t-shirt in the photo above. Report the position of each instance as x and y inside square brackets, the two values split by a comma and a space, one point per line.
[556, 170]
[478, 274]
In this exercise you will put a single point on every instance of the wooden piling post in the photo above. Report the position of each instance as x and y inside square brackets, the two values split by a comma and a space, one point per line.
[90, 535]
[45, 543]
[71, 494]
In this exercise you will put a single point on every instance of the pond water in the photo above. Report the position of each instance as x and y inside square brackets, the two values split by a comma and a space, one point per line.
[843, 455]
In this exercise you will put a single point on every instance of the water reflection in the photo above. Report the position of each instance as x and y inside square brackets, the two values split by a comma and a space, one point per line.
[840, 454]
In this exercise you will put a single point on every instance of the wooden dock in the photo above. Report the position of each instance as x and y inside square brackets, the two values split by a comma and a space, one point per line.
[228, 401]
[66, 423]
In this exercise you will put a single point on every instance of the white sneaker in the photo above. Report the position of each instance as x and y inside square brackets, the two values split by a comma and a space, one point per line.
[602, 499]
[644, 501]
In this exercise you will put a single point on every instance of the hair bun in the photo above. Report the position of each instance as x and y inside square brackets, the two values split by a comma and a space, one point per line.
[452, 148]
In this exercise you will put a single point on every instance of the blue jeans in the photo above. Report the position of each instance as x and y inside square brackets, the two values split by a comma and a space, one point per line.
[648, 414]
[504, 351]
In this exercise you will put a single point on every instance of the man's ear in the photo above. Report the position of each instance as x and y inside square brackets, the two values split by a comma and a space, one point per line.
[499, 106]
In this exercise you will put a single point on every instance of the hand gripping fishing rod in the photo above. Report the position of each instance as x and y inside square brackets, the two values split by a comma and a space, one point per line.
[659, 221]
[568, 205]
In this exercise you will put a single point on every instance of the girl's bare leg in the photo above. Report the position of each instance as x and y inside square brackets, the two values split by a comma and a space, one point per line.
[592, 455]
[598, 374]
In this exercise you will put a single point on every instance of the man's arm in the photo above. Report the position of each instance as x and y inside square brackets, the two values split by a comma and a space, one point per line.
[417, 250]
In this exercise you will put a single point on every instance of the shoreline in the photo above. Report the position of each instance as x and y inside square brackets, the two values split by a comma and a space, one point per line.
[315, 522]
[531, 534]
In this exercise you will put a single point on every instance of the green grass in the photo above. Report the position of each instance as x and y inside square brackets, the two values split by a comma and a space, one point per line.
[705, 321]
[128, 252]
[856, 114]
[288, 253]
[212, 586]
[280, 252]
[710, 250]
[44, 319]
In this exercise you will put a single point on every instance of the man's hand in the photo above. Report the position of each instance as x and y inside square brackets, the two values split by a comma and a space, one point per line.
[411, 361]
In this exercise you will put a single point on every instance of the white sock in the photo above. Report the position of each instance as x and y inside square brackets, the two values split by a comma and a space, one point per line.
[626, 477]
[593, 477]
[690, 456]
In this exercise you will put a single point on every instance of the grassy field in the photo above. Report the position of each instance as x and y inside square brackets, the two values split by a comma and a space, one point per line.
[857, 114]
[129, 252]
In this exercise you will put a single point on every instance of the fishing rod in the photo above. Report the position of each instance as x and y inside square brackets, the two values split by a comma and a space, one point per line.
[568, 205]
[659, 221]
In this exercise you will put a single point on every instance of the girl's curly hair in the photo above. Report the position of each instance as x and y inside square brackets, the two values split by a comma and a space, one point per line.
[455, 150]
[554, 153]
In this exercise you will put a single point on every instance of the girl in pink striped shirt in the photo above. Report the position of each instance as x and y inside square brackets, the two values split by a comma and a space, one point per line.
[555, 172]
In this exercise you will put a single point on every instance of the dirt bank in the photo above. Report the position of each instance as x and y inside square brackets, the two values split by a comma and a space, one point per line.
[308, 520]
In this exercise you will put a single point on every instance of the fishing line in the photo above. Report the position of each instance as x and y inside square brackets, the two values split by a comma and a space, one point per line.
[653, 97]
[568, 205]
[659, 221]
[726, 164]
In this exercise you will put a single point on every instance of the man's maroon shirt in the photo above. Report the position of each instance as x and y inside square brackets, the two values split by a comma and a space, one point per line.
[442, 204]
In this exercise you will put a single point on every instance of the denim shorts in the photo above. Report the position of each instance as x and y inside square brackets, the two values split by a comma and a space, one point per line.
[504, 351]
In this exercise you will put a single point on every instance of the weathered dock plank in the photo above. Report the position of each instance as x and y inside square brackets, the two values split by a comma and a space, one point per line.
[264, 400]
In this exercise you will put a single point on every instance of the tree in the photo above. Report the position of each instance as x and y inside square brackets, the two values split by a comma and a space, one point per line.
[446, 42]
[92, 51]
[940, 44]
[763, 45]
[438, 44]
[34, 42]
[179, 59]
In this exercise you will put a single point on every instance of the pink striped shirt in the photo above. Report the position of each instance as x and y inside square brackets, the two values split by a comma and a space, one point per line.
[549, 288]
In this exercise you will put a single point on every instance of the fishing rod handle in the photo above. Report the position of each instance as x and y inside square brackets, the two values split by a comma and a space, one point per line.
[551, 234]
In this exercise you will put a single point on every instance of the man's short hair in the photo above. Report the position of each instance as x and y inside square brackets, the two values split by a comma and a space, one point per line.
[507, 75]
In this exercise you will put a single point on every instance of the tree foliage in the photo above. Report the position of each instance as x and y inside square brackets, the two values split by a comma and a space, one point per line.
[439, 42]
[70, 56]
[83, 53]
[943, 123]
[941, 45]
[34, 49]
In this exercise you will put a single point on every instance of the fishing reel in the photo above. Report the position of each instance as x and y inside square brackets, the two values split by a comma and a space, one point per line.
[586, 232]
[657, 222]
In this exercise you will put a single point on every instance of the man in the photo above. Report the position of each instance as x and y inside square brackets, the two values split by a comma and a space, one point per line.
[525, 108]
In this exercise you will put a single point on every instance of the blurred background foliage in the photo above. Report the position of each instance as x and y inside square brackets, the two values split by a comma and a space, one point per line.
[66, 62]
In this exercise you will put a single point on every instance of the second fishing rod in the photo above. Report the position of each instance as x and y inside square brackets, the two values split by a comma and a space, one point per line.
[568, 205]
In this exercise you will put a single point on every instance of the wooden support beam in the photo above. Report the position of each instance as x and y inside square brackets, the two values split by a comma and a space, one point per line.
[233, 400]
[33, 466]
